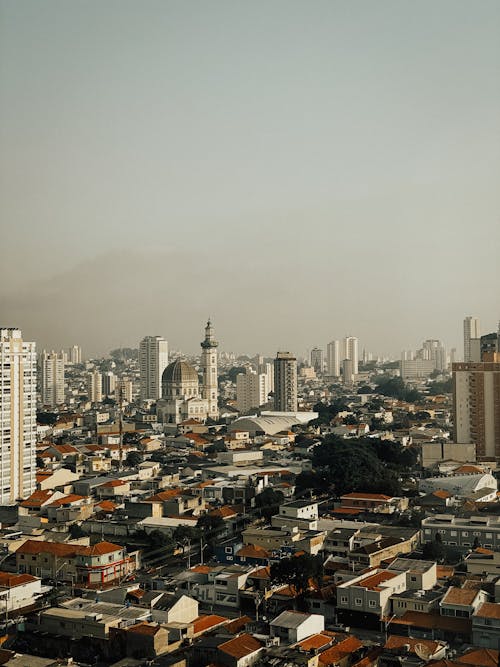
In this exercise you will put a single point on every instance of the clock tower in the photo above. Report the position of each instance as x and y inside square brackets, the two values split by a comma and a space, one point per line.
[209, 365]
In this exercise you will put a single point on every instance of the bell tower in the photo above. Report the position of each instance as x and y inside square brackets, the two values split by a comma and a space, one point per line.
[209, 365]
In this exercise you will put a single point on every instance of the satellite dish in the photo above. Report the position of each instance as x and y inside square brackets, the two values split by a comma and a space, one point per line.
[423, 651]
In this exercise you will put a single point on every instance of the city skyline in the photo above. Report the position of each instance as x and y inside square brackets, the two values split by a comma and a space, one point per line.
[304, 163]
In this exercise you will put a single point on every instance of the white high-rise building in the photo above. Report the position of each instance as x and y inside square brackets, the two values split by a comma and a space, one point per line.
[94, 387]
[285, 382]
[252, 390]
[153, 359]
[472, 330]
[350, 351]
[108, 383]
[124, 389]
[75, 354]
[17, 417]
[333, 358]
[52, 378]
[210, 387]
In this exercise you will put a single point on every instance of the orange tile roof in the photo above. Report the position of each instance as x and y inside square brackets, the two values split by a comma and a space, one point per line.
[9, 580]
[165, 495]
[459, 596]
[238, 624]
[444, 571]
[144, 628]
[67, 500]
[422, 619]
[201, 569]
[397, 641]
[262, 573]
[240, 646]
[252, 551]
[206, 622]
[35, 547]
[481, 657]
[341, 650]
[224, 512]
[366, 496]
[65, 449]
[465, 469]
[113, 483]
[315, 641]
[489, 610]
[441, 493]
[107, 505]
[38, 498]
[101, 549]
[373, 581]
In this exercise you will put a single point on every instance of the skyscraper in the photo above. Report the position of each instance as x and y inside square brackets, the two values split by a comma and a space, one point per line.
[317, 359]
[153, 359]
[209, 364]
[350, 351]
[75, 354]
[252, 390]
[94, 387]
[52, 378]
[476, 404]
[17, 417]
[333, 358]
[471, 330]
[285, 382]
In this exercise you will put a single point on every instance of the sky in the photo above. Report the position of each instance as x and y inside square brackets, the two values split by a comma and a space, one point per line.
[296, 170]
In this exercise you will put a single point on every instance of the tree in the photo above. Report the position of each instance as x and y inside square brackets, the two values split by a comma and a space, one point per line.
[183, 534]
[133, 459]
[298, 572]
[209, 523]
[158, 539]
[77, 531]
[434, 550]
[269, 501]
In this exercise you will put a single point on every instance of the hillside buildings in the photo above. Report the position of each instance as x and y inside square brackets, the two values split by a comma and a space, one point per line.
[17, 416]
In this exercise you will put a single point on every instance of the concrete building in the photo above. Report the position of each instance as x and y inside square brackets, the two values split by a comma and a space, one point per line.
[350, 351]
[75, 355]
[415, 369]
[108, 383]
[294, 626]
[153, 359]
[348, 372]
[124, 388]
[476, 405]
[18, 591]
[317, 359]
[471, 330]
[252, 390]
[333, 358]
[463, 533]
[285, 382]
[52, 378]
[17, 417]
[94, 387]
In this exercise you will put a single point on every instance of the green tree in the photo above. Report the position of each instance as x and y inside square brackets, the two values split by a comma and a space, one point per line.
[298, 572]
[434, 550]
[269, 501]
[158, 539]
[133, 459]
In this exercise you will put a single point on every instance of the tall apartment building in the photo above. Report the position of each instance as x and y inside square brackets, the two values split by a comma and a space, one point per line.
[471, 330]
[347, 372]
[350, 351]
[94, 387]
[333, 358]
[108, 383]
[124, 388]
[17, 417]
[317, 361]
[252, 390]
[285, 382]
[476, 405]
[434, 350]
[153, 359]
[75, 355]
[52, 378]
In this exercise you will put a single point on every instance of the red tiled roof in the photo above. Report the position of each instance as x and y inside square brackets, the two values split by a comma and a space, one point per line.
[315, 641]
[481, 657]
[107, 505]
[38, 498]
[144, 628]
[240, 646]
[252, 551]
[67, 500]
[9, 580]
[101, 549]
[344, 648]
[397, 641]
[459, 596]
[374, 580]
[489, 610]
[366, 496]
[165, 495]
[113, 482]
[238, 624]
[224, 512]
[35, 547]
[205, 622]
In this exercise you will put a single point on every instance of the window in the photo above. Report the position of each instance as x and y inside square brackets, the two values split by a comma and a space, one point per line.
[228, 550]
[343, 599]
[413, 578]
[358, 602]
[371, 603]
[465, 534]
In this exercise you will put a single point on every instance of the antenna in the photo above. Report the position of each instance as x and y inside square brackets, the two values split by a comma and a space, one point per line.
[423, 651]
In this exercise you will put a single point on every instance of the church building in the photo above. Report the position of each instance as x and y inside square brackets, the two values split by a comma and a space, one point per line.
[182, 397]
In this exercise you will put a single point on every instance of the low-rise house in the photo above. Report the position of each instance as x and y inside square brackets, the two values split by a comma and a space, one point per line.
[401, 651]
[342, 654]
[370, 593]
[294, 626]
[426, 601]
[462, 602]
[18, 591]
[486, 626]
[373, 502]
[241, 651]
[420, 574]
[114, 488]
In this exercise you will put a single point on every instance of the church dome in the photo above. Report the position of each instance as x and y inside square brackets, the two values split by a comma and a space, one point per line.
[178, 373]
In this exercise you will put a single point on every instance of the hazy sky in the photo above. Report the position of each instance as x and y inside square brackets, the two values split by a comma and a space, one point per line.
[297, 170]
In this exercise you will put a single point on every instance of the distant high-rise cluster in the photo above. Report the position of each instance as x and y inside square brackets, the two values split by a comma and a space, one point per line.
[52, 378]
[17, 416]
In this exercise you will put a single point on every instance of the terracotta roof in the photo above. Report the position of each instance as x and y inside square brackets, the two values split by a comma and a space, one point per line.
[224, 512]
[205, 622]
[262, 573]
[101, 549]
[421, 619]
[240, 646]
[373, 581]
[165, 495]
[467, 469]
[38, 498]
[459, 596]
[67, 500]
[201, 569]
[444, 571]
[107, 505]
[144, 628]
[336, 653]
[441, 493]
[397, 641]
[65, 449]
[489, 610]
[315, 641]
[113, 482]
[9, 580]
[35, 547]
[482, 657]
[252, 551]
[238, 624]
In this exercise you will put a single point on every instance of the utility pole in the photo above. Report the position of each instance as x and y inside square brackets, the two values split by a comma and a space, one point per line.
[120, 425]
